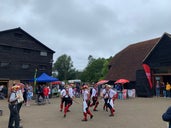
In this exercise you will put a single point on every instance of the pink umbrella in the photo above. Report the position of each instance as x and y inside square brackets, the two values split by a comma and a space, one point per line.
[122, 81]
[102, 82]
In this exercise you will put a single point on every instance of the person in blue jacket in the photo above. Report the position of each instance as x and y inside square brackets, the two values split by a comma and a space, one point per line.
[167, 116]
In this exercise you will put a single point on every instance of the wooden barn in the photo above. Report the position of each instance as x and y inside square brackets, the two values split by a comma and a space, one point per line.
[20, 55]
[143, 64]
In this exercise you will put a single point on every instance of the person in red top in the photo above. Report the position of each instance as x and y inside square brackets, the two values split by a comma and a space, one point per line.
[46, 94]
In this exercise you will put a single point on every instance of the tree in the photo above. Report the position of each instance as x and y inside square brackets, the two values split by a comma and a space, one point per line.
[93, 71]
[64, 67]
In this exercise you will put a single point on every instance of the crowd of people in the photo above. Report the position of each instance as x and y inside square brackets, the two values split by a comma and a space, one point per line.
[22, 94]
[163, 89]
[90, 98]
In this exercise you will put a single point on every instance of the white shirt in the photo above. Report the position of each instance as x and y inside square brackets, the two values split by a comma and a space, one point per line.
[105, 93]
[94, 92]
[112, 93]
[85, 95]
[63, 93]
[71, 92]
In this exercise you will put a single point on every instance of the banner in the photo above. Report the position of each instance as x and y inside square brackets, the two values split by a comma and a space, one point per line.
[148, 74]
[35, 75]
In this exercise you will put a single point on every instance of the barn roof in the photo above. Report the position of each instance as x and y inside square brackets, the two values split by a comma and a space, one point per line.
[126, 62]
[21, 39]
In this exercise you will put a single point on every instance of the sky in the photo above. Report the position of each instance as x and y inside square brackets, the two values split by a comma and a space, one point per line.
[79, 28]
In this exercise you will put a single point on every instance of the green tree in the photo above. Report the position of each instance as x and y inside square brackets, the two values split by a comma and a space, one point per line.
[93, 71]
[64, 67]
[105, 68]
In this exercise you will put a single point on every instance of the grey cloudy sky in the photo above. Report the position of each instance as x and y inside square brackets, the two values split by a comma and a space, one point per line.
[80, 28]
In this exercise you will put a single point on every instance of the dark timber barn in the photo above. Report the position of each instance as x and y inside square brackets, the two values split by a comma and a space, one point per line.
[20, 55]
[156, 53]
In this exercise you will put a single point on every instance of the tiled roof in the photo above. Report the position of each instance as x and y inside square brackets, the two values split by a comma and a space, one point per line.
[125, 63]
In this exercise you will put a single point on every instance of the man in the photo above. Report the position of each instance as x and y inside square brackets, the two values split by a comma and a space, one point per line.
[104, 95]
[14, 113]
[71, 95]
[20, 92]
[111, 97]
[167, 116]
[67, 99]
[86, 103]
[94, 97]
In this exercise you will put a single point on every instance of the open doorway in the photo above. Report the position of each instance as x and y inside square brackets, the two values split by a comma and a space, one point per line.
[3, 89]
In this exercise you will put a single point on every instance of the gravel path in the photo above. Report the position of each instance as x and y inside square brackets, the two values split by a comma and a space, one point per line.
[130, 113]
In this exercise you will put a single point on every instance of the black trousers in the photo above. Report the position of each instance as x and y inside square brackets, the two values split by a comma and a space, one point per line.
[14, 116]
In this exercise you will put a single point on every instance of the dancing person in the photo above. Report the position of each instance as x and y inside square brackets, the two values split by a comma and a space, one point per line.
[62, 96]
[67, 100]
[111, 98]
[94, 97]
[104, 95]
[86, 103]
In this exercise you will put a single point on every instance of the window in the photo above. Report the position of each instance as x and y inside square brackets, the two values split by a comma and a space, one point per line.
[25, 66]
[43, 53]
[4, 64]
[42, 67]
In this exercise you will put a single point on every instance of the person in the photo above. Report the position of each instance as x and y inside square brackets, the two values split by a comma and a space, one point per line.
[46, 93]
[29, 97]
[163, 89]
[167, 116]
[168, 87]
[25, 93]
[94, 97]
[20, 92]
[67, 100]
[86, 103]
[111, 98]
[104, 95]
[71, 95]
[14, 113]
[62, 96]
[39, 91]
[157, 88]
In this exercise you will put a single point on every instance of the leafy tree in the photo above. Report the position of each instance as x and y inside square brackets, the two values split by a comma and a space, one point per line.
[93, 71]
[64, 67]
[105, 68]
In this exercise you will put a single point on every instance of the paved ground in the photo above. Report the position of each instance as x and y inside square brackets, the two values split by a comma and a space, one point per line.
[130, 113]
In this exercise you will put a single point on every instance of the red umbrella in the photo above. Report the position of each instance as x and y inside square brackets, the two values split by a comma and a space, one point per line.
[102, 82]
[56, 82]
[122, 81]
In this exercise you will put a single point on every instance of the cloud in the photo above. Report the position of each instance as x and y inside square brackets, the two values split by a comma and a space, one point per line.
[87, 27]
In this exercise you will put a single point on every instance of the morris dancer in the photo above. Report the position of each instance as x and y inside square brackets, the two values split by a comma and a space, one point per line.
[104, 95]
[112, 95]
[86, 103]
[71, 95]
[94, 97]
[62, 94]
[67, 100]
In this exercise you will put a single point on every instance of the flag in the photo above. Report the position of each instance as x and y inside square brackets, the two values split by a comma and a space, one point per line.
[148, 74]
[35, 74]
